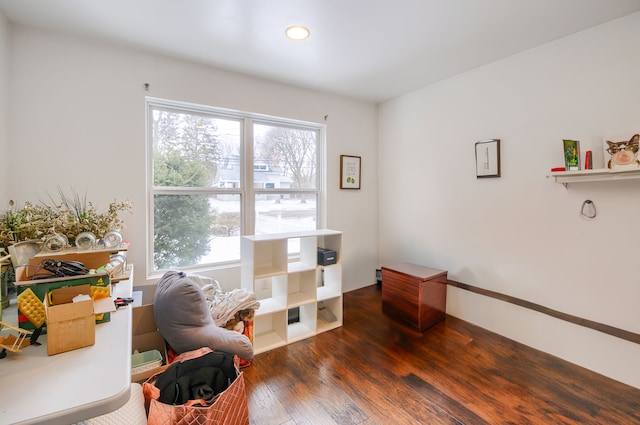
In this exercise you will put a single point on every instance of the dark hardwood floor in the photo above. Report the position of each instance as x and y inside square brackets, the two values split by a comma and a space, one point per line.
[373, 370]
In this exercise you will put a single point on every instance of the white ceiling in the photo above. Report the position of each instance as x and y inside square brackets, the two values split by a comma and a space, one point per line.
[368, 49]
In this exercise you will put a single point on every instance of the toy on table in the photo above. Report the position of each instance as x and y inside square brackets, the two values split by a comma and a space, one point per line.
[11, 342]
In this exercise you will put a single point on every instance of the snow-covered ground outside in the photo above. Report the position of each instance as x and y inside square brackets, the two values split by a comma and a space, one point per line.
[289, 215]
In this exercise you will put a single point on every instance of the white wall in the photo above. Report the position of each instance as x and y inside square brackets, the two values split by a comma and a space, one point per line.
[78, 121]
[521, 234]
[4, 118]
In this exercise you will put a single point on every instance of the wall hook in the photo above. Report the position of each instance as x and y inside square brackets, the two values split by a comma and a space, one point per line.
[146, 86]
[588, 209]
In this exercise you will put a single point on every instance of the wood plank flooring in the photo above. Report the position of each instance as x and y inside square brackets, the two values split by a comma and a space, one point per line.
[374, 370]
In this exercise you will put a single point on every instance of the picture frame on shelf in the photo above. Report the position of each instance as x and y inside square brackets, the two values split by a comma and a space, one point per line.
[621, 152]
[488, 158]
[571, 154]
[350, 171]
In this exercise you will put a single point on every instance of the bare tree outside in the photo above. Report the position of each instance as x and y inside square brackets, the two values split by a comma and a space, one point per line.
[285, 178]
[293, 150]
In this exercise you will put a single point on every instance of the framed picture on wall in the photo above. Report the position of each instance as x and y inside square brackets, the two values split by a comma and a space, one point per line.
[350, 172]
[488, 158]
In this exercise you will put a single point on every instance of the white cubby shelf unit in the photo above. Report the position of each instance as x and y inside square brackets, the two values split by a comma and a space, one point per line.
[282, 270]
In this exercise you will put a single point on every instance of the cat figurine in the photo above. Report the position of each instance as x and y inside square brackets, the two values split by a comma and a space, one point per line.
[624, 155]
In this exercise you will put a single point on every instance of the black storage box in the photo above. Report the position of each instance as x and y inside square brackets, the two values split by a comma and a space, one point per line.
[326, 257]
[293, 315]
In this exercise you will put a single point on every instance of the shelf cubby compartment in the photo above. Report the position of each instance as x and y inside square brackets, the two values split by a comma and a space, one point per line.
[305, 327]
[329, 239]
[306, 247]
[301, 288]
[271, 292]
[269, 257]
[270, 331]
[329, 314]
[329, 282]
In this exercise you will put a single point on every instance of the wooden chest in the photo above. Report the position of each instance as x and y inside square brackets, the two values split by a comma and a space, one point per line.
[414, 294]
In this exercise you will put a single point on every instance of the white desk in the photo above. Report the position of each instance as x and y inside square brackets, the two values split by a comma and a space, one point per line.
[73, 386]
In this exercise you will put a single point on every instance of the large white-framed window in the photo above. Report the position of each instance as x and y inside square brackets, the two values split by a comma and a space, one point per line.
[215, 174]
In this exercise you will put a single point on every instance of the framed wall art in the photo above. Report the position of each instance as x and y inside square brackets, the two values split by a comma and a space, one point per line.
[488, 158]
[350, 172]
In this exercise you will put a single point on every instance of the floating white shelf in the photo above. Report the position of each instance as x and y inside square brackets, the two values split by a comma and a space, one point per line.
[600, 174]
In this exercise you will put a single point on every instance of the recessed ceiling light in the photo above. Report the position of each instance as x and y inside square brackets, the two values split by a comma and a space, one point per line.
[297, 32]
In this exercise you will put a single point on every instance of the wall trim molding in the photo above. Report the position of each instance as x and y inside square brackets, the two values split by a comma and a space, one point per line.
[600, 327]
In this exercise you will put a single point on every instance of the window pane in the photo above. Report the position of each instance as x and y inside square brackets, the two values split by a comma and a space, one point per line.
[284, 158]
[191, 150]
[195, 229]
[277, 213]
[197, 181]
[225, 242]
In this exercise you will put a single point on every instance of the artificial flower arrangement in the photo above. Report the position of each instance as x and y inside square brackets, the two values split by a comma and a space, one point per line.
[69, 216]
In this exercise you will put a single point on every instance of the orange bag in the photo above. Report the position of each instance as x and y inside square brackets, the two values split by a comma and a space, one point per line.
[229, 407]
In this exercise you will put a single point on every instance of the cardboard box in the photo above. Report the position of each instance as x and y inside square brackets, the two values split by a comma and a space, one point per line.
[145, 337]
[91, 259]
[72, 325]
[31, 295]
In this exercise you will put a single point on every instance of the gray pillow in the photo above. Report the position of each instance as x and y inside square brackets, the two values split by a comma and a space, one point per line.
[185, 322]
